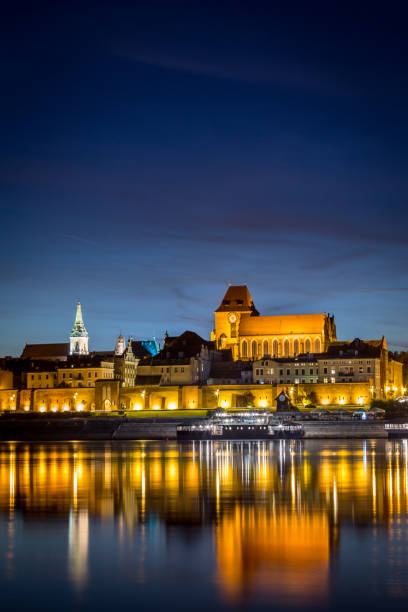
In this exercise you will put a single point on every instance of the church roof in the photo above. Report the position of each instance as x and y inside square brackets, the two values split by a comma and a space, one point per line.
[282, 325]
[46, 351]
[237, 298]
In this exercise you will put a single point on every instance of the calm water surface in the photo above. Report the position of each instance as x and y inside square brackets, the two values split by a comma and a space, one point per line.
[204, 526]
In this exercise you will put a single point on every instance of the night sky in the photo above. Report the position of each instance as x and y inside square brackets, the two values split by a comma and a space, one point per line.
[153, 152]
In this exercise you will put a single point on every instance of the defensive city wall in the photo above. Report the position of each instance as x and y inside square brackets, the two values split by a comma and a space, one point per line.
[107, 396]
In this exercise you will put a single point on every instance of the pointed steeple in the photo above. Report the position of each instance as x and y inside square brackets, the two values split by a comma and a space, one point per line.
[79, 327]
[79, 335]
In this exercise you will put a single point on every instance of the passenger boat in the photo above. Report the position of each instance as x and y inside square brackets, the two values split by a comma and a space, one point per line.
[245, 425]
[396, 430]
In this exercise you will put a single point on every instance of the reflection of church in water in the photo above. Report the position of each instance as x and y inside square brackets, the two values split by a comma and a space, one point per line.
[276, 508]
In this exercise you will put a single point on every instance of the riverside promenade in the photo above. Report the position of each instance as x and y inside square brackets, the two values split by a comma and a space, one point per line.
[16, 428]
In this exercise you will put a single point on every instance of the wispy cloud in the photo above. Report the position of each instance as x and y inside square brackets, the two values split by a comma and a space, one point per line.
[252, 70]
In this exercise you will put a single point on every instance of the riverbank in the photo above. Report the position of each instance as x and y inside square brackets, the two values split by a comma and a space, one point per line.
[16, 428]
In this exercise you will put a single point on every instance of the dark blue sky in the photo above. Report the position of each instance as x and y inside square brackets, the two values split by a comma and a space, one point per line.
[152, 152]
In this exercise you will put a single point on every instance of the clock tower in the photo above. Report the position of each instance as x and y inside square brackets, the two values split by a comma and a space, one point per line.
[237, 303]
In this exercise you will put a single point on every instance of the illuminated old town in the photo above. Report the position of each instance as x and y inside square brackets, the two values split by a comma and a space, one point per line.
[203, 306]
[248, 362]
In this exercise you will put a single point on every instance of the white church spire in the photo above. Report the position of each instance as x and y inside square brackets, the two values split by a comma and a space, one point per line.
[79, 336]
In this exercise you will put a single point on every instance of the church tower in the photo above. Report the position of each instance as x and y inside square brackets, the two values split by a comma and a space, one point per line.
[78, 341]
[120, 345]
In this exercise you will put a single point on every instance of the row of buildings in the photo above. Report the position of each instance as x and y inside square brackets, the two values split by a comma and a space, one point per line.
[248, 360]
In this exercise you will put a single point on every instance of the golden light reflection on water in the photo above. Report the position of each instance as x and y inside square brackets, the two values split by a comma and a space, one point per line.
[276, 508]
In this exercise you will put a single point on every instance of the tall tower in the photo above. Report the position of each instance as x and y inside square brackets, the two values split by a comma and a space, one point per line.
[120, 345]
[78, 340]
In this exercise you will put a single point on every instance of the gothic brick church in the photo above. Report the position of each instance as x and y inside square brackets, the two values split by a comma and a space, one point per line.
[240, 327]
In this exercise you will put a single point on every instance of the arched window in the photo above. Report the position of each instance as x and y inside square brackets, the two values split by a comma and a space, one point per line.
[244, 348]
[221, 341]
[275, 348]
[296, 347]
[265, 347]
[307, 345]
[286, 348]
[254, 349]
[317, 345]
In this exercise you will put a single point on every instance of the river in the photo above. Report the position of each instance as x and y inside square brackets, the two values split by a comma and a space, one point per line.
[283, 525]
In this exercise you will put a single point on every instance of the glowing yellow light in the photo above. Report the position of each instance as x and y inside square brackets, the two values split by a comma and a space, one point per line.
[26, 408]
[225, 403]
[65, 408]
[394, 388]
[13, 407]
[403, 389]
[137, 407]
[360, 400]
[342, 400]
[54, 409]
[325, 401]
[79, 407]
[387, 389]
[172, 406]
[156, 407]
[42, 408]
[263, 403]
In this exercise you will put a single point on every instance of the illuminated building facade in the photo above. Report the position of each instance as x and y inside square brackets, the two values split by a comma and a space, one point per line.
[240, 328]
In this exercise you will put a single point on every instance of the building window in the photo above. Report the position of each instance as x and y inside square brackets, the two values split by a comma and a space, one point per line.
[296, 347]
[175, 369]
[254, 348]
[244, 348]
[89, 384]
[261, 372]
[333, 380]
[89, 374]
[275, 348]
[182, 370]
[369, 369]
[257, 372]
[317, 345]
[266, 347]
[281, 372]
[333, 371]
[286, 348]
[307, 346]
[360, 369]
[296, 372]
[311, 372]
[325, 380]
[303, 372]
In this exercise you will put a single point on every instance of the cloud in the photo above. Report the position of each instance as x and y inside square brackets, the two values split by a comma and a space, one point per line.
[252, 70]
